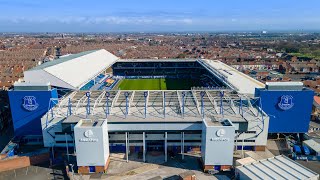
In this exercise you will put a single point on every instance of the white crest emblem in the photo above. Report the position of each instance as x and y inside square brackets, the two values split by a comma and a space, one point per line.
[88, 134]
[286, 102]
[220, 132]
[30, 103]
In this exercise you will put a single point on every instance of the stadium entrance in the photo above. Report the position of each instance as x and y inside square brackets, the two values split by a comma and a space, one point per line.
[155, 145]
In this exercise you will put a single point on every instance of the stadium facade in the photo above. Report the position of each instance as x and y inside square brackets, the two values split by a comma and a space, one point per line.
[73, 101]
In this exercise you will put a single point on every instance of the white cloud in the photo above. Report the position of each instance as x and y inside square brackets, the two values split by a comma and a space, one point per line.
[117, 20]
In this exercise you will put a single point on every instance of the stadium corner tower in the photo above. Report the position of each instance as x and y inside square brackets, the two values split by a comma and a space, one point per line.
[97, 104]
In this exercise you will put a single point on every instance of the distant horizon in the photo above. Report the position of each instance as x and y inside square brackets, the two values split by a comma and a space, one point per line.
[159, 16]
[166, 32]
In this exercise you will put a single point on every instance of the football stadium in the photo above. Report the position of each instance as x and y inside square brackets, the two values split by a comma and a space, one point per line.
[96, 101]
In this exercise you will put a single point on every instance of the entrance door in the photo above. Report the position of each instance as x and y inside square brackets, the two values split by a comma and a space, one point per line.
[155, 146]
[92, 169]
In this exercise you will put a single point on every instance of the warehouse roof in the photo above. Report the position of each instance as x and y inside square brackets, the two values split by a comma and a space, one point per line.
[239, 81]
[72, 71]
[279, 167]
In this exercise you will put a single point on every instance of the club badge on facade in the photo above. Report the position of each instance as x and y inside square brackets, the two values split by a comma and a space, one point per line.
[30, 103]
[286, 102]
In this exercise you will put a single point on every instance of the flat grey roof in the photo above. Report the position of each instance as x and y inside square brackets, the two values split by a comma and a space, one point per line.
[279, 167]
[284, 83]
[91, 123]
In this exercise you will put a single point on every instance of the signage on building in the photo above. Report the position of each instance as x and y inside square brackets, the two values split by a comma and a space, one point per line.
[220, 133]
[30, 103]
[89, 137]
[286, 102]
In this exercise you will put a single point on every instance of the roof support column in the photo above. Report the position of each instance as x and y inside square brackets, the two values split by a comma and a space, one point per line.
[164, 103]
[221, 102]
[202, 93]
[182, 145]
[183, 96]
[144, 146]
[165, 147]
[145, 94]
[127, 147]
[126, 94]
[107, 104]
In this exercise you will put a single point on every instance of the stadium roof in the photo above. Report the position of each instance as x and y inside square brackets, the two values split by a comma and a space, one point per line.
[279, 167]
[72, 71]
[158, 60]
[167, 105]
[239, 81]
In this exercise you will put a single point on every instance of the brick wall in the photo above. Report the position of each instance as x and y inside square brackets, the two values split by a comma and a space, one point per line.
[14, 163]
[2, 156]
[23, 161]
[99, 169]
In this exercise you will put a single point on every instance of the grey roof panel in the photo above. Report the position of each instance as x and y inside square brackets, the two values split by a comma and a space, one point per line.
[279, 167]
[61, 60]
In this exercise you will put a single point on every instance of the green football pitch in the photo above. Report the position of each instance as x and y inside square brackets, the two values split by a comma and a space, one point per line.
[156, 84]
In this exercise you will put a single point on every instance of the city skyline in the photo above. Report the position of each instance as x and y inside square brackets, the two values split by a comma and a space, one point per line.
[158, 16]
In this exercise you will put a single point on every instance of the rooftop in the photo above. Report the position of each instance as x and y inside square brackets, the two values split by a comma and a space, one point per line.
[72, 71]
[158, 106]
[90, 123]
[312, 144]
[156, 60]
[279, 167]
[239, 81]
[61, 60]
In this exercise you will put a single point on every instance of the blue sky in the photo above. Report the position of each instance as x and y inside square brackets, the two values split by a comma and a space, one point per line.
[158, 15]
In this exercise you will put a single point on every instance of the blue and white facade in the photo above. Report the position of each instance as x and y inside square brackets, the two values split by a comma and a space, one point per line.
[170, 120]
[28, 106]
[288, 105]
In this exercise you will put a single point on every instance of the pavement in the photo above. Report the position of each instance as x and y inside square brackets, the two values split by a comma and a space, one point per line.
[277, 147]
[33, 173]
[135, 169]
[167, 170]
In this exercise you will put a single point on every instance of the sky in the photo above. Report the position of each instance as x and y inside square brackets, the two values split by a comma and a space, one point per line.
[158, 15]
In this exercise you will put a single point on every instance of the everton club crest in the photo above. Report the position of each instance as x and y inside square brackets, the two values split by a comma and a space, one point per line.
[30, 103]
[286, 102]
